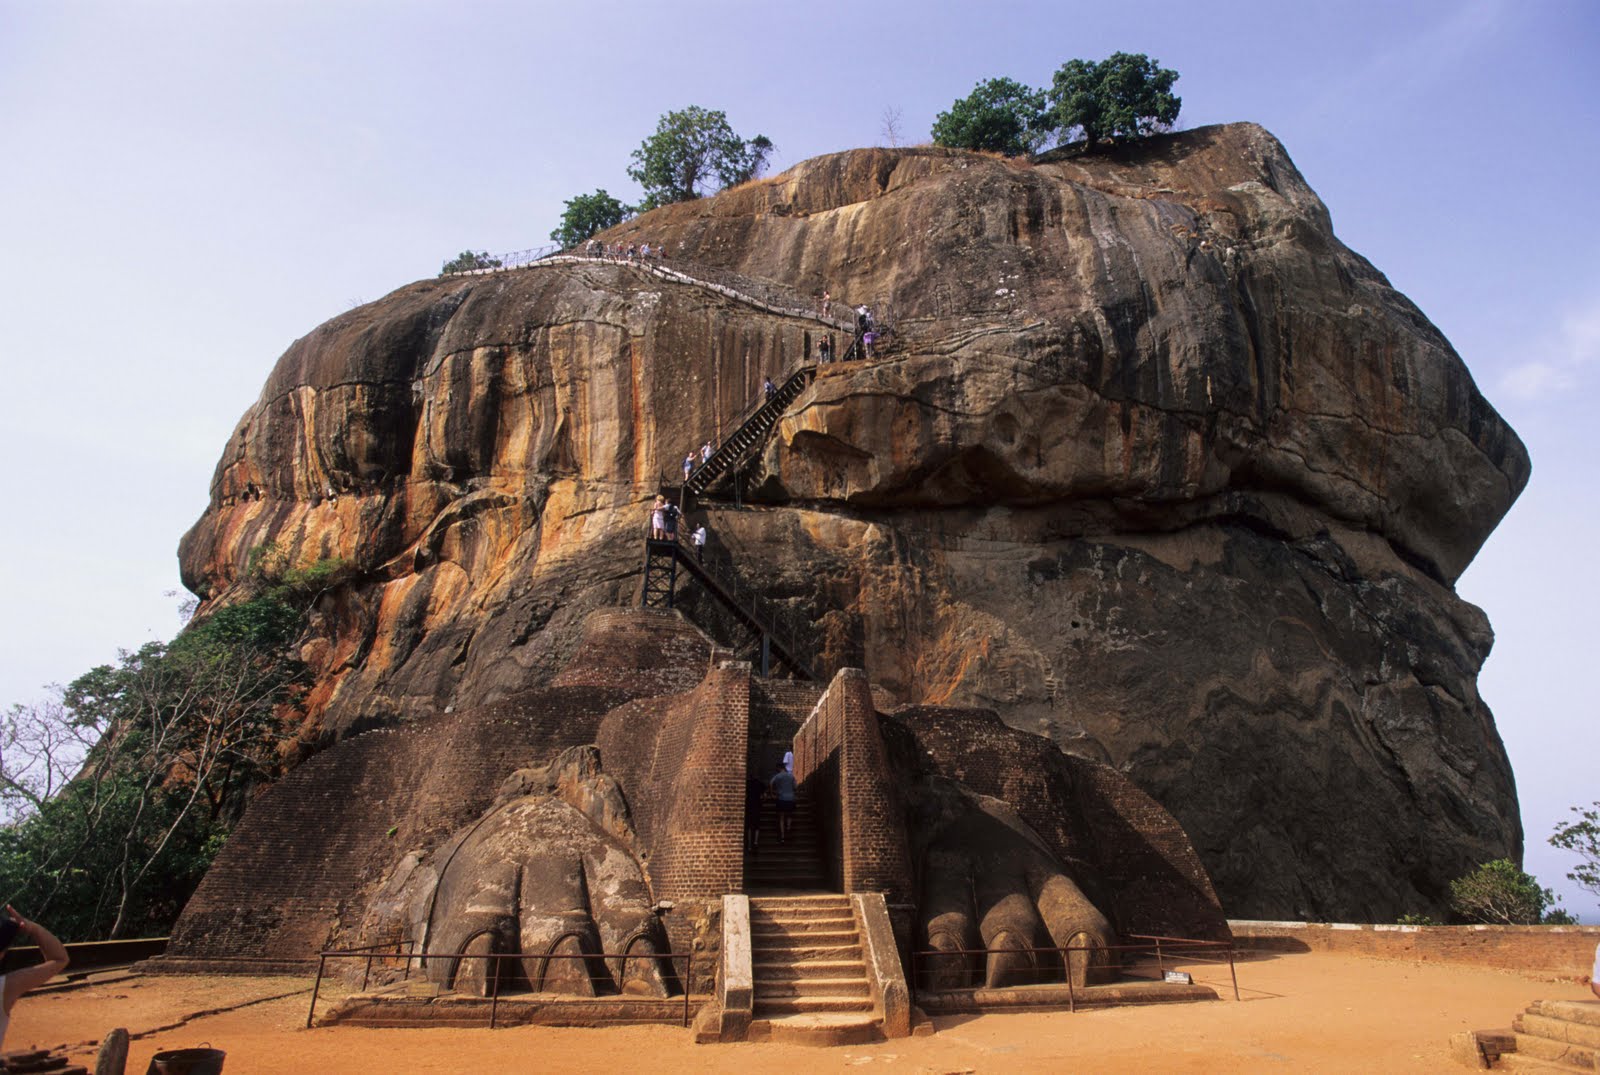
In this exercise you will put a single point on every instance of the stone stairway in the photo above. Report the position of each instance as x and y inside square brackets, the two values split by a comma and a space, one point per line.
[795, 866]
[1555, 1035]
[810, 974]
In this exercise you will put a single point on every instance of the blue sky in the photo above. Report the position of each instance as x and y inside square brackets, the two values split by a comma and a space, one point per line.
[188, 187]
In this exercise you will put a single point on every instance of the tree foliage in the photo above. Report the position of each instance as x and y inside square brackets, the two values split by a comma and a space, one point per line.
[691, 149]
[1500, 893]
[587, 214]
[122, 791]
[1582, 837]
[999, 115]
[1126, 95]
[468, 260]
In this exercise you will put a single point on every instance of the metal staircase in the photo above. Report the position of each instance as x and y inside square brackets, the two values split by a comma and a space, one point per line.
[665, 560]
[750, 434]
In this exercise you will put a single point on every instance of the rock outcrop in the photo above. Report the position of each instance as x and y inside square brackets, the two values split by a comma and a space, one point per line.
[1152, 465]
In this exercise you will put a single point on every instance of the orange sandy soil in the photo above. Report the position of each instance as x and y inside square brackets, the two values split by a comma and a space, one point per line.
[1302, 1012]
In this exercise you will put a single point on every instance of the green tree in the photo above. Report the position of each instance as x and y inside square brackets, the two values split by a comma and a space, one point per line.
[121, 793]
[587, 214]
[1582, 837]
[691, 148]
[999, 115]
[1126, 95]
[468, 260]
[1500, 893]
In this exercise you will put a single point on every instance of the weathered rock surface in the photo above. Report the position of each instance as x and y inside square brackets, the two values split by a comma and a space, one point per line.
[1154, 465]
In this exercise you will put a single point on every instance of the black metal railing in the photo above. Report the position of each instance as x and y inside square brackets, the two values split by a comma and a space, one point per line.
[406, 951]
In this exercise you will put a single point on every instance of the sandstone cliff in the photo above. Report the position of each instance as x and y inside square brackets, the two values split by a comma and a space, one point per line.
[1154, 465]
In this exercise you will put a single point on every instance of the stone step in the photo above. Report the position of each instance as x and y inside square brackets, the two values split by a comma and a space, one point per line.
[1566, 1030]
[801, 923]
[773, 941]
[805, 953]
[768, 904]
[845, 1028]
[1531, 1065]
[1571, 1011]
[802, 1005]
[1561, 1052]
[811, 989]
[812, 968]
[829, 913]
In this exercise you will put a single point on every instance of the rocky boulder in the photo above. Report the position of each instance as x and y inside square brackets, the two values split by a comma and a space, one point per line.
[1151, 463]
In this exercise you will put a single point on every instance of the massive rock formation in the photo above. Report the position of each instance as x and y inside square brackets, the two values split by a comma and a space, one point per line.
[1153, 465]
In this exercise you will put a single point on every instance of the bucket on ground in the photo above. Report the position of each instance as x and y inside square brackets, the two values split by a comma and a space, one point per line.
[187, 1062]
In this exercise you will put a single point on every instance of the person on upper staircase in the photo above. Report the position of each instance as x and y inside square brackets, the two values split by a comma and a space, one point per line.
[688, 466]
[705, 453]
[768, 389]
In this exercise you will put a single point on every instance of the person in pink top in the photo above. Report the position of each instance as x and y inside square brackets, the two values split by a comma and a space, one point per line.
[18, 982]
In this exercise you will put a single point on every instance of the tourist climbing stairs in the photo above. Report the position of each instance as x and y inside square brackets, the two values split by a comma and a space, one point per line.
[749, 434]
[794, 865]
[1552, 1035]
[810, 972]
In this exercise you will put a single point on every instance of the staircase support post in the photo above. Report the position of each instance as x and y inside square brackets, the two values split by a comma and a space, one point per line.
[766, 655]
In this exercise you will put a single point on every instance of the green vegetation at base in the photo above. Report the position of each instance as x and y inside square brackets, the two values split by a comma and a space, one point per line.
[120, 794]
[1500, 893]
[1581, 836]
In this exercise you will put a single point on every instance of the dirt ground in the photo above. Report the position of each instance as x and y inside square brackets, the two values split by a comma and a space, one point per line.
[1304, 1012]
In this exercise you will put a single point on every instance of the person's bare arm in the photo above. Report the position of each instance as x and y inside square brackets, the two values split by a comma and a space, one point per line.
[19, 982]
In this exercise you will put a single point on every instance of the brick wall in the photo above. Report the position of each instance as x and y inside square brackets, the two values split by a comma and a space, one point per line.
[681, 762]
[843, 768]
[1563, 951]
[1126, 852]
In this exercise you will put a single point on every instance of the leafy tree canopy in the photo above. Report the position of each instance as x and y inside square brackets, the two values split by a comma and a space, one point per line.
[1582, 836]
[692, 148]
[999, 115]
[1499, 893]
[1126, 95]
[121, 793]
[468, 260]
[587, 214]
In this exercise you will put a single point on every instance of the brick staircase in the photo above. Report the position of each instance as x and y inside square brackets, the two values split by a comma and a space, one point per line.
[795, 866]
[1555, 1035]
[810, 975]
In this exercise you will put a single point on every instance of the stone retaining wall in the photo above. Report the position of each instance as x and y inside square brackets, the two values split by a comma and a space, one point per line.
[1566, 951]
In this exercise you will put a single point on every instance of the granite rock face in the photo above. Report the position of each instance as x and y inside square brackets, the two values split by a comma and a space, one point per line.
[1152, 464]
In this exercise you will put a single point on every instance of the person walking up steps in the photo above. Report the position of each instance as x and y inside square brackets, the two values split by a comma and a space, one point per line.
[699, 539]
[705, 453]
[18, 982]
[768, 389]
[783, 786]
[688, 466]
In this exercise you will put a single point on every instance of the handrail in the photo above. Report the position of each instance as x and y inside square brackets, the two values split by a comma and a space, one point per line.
[685, 980]
[743, 600]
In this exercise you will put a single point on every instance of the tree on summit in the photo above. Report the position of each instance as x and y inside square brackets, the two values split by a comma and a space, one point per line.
[999, 115]
[1126, 95]
[689, 150]
[468, 260]
[587, 214]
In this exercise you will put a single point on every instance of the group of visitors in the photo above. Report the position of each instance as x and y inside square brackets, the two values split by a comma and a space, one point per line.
[664, 516]
[635, 252]
[780, 785]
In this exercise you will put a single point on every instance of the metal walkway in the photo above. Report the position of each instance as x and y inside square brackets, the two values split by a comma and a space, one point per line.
[750, 434]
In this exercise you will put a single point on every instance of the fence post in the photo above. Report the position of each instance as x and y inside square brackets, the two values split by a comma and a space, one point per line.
[688, 984]
[1160, 963]
[322, 961]
[366, 974]
[1234, 974]
[494, 989]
